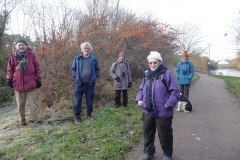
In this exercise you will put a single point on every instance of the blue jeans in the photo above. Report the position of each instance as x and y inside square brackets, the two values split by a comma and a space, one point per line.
[79, 91]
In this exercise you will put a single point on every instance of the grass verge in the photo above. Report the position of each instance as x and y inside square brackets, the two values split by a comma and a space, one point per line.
[109, 136]
[233, 84]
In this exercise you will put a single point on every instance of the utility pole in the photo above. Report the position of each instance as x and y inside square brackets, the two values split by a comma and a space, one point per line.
[209, 60]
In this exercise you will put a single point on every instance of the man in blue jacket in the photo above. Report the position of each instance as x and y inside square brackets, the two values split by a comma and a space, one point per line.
[184, 74]
[85, 70]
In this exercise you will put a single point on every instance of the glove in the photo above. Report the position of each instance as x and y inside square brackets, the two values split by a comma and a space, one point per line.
[130, 85]
[39, 83]
[117, 79]
[10, 83]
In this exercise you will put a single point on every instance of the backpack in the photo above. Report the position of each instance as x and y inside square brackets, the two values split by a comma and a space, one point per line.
[161, 77]
[116, 63]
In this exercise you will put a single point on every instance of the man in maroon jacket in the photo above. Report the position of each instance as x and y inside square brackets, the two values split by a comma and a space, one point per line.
[24, 76]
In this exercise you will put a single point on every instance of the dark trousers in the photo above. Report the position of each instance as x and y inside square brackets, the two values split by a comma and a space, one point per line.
[79, 91]
[118, 97]
[165, 134]
[184, 88]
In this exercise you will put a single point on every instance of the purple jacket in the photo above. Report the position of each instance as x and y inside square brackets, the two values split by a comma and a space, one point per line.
[164, 99]
[24, 81]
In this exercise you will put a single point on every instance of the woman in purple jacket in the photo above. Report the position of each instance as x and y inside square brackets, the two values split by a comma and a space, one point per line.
[157, 97]
[24, 76]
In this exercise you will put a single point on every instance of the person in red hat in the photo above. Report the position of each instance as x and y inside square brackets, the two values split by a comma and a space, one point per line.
[121, 74]
[184, 74]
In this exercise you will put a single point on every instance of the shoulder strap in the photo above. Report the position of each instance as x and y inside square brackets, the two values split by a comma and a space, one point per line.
[116, 63]
[161, 77]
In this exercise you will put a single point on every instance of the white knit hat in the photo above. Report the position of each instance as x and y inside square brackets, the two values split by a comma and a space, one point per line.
[156, 55]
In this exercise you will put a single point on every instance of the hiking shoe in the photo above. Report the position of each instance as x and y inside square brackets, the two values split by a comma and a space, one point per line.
[23, 123]
[126, 108]
[77, 119]
[89, 116]
[146, 157]
[167, 157]
[34, 121]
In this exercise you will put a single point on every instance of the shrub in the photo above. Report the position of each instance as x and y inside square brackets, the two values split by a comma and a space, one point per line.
[5, 94]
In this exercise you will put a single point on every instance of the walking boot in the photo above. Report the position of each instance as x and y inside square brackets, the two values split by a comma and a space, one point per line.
[77, 119]
[167, 157]
[146, 157]
[23, 122]
[89, 116]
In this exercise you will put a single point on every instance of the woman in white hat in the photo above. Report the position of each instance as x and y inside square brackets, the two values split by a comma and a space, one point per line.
[157, 97]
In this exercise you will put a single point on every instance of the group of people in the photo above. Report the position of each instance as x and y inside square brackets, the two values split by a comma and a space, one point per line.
[157, 95]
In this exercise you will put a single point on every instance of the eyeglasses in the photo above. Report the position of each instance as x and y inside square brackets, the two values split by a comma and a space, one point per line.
[154, 62]
[86, 48]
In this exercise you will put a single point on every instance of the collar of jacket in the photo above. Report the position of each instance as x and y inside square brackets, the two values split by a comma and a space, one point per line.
[27, 52]
[81, 55]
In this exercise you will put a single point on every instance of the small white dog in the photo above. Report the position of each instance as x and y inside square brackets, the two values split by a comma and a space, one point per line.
[184, 104]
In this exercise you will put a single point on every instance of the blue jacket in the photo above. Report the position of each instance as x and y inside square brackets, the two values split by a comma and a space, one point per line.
[77, 69]
[187, 67]
[164, 99]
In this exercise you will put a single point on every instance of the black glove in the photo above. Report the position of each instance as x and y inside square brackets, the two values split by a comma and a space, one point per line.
[130, 85]
[10, 83]
[39, 83]
[117, 79]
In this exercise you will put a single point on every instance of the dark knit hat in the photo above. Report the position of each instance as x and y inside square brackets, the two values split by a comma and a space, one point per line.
[22, 40]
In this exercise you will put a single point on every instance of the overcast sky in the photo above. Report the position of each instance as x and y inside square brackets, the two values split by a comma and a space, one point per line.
[213, 17]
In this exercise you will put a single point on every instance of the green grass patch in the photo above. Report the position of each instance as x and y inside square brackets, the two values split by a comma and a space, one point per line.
[195, 78]
[113, 132]
[233, 84]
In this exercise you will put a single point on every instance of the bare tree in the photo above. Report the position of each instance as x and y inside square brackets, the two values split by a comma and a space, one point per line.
[189, 38]
[6, 7]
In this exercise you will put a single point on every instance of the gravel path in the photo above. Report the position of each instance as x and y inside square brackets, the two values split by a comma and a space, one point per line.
[6, 109]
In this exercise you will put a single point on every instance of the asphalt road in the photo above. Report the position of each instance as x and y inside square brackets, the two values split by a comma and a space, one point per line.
[210, 132]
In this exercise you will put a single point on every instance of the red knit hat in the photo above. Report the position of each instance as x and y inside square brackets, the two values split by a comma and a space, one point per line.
[185, 54]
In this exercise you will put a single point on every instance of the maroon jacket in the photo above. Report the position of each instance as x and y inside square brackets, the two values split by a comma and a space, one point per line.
[24, 81]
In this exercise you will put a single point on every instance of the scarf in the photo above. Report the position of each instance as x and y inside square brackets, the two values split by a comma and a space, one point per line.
[22, 64]
[150, 76]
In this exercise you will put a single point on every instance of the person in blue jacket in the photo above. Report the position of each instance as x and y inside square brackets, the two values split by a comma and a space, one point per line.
[85, 71]
[157, 100]
[184, 74]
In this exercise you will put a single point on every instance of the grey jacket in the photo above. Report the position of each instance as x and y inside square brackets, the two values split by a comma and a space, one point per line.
[121, 70]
